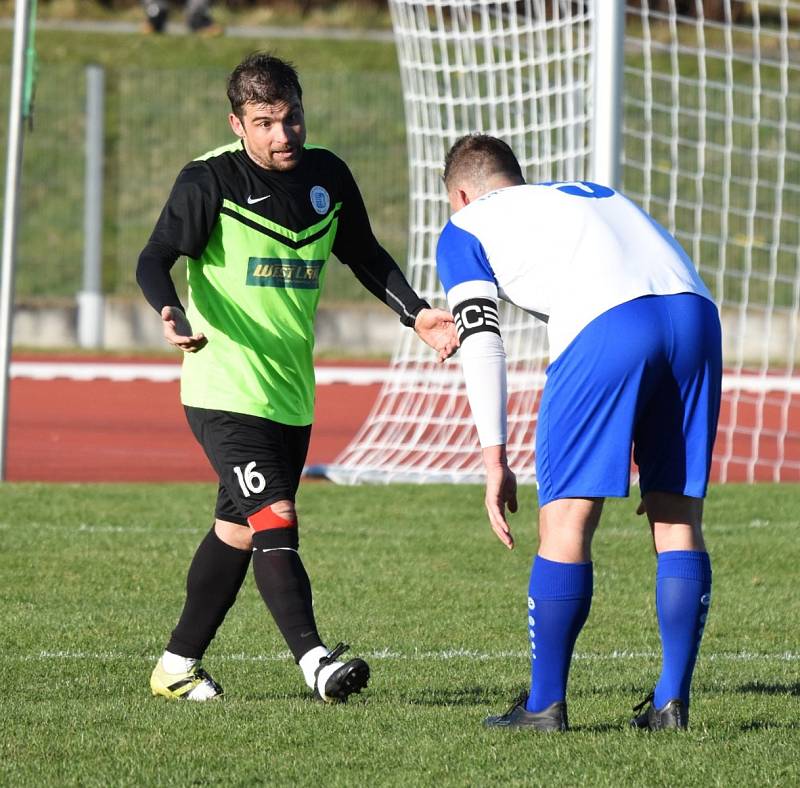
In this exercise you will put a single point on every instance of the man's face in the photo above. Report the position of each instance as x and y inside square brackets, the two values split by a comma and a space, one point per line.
[273, 134]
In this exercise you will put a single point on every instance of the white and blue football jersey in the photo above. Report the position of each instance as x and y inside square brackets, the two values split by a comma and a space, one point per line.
[564, 252]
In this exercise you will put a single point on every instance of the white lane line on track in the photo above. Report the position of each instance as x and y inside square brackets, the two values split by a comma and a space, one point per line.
[168, 373]
[630, 531]
[390, 654]
[327, 375]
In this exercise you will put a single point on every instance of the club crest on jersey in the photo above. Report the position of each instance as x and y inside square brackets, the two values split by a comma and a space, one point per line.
[320, 199]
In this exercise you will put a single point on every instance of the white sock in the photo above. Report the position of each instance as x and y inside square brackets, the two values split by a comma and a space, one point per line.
[324, 675]
[174, 663]
[309, 663]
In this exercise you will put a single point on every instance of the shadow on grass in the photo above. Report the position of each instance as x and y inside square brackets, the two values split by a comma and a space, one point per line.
[600, 727]
[766, 725]
[261, 694]
[455, 696]
[759, 688]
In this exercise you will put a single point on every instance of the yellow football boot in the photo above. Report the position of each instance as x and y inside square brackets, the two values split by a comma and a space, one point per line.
[195, 684]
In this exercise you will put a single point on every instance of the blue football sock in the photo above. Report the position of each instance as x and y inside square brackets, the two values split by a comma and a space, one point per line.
[683, 594]
[559, 598]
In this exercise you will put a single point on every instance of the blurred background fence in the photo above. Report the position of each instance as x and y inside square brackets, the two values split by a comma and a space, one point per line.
[156, 120]
[711, 146]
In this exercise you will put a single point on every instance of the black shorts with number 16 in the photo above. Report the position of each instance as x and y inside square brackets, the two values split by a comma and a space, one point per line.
[258, 461]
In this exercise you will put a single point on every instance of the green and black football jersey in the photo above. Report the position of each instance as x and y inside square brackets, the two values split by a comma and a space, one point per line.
[258, 242]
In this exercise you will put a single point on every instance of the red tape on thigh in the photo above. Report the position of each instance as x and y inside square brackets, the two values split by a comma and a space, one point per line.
[267, 520]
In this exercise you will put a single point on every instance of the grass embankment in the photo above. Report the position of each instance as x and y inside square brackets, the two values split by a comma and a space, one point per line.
[165, 105]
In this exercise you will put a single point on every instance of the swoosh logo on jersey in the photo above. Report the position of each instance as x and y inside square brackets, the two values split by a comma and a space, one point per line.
[253, 200]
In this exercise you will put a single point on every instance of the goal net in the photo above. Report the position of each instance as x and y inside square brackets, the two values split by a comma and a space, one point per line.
[710, 145]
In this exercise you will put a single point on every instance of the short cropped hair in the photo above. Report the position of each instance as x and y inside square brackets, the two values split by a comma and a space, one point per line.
[262, 78]
[477, 158]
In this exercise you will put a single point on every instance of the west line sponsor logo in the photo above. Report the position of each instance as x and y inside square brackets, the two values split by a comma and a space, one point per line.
[275, 272]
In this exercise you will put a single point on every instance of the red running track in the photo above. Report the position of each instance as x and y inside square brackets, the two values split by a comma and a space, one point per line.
[100, 430]
[75, 431]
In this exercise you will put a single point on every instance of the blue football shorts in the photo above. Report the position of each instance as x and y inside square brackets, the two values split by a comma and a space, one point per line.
[646, 374]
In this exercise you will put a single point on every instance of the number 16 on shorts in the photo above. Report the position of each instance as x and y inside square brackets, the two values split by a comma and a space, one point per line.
[250, 480]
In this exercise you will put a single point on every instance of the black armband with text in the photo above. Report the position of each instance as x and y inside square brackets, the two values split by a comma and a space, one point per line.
[475, 315]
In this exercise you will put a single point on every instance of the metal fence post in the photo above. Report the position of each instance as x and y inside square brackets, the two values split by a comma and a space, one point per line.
[16, 134]
[607, 47]
[90, 300]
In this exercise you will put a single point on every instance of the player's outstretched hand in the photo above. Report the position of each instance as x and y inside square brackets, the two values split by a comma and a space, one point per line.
[178, 332]
[501, 491]
[435, 327]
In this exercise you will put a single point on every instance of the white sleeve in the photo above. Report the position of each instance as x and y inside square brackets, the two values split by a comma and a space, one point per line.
[483, 357]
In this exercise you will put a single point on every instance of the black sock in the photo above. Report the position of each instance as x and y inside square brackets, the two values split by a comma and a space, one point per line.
[215, 577]
[284, 585]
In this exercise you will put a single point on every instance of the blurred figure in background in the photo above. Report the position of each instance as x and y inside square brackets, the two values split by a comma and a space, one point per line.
[198, 17]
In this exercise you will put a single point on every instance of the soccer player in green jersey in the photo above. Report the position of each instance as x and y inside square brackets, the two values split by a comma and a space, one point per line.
[258, 220]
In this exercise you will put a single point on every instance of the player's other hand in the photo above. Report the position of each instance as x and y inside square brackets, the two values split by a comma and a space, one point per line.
[178, 332]
[435, 327]
[501, 491]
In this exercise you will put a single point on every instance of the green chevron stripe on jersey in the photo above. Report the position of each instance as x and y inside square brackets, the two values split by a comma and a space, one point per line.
[254, 293]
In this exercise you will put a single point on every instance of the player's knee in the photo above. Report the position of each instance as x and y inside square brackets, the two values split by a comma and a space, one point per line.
[234, 535]
[677, 536]
[275, 526]
[284, 509]
[673, 508]
[566, 528]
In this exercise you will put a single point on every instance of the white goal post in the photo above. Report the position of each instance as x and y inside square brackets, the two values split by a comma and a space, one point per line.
[704, 134]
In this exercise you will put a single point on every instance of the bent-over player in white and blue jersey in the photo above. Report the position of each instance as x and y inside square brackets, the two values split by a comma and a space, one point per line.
[635, 361]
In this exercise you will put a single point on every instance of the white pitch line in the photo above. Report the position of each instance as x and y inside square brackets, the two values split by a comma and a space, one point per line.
[630, 531]
[355, 376]
[430, 656]
[131, 529]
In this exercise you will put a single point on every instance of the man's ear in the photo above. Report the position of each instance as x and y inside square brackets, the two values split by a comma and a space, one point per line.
[458, 198]
[236, 124]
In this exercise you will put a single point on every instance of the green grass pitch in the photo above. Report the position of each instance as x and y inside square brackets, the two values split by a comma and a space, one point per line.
[92, 582]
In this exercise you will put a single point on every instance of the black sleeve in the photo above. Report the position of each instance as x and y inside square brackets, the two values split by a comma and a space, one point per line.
[357, 247]
[183, 228]
[152, 275]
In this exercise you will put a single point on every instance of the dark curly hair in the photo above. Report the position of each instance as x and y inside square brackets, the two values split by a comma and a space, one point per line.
[262, 78]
